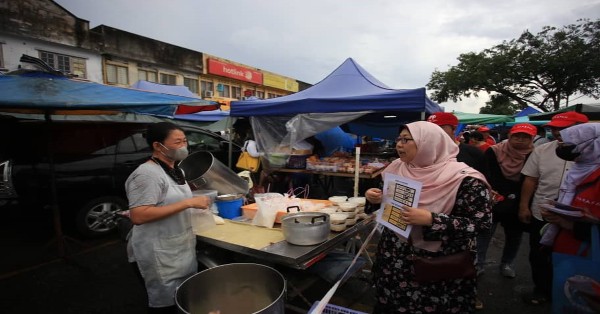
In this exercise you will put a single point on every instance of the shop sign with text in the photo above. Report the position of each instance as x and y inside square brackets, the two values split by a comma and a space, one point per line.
[280, 82]
[234, 71]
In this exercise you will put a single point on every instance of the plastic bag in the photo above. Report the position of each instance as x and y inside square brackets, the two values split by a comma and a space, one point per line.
[268, 206]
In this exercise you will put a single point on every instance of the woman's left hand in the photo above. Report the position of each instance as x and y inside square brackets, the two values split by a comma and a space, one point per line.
[417, 216]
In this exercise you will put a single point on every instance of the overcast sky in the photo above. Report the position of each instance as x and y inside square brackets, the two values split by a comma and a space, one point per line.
[399, 42]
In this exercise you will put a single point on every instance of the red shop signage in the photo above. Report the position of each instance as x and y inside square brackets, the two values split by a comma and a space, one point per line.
[233, 71]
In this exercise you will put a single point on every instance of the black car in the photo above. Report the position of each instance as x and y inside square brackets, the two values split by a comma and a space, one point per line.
[90, 161]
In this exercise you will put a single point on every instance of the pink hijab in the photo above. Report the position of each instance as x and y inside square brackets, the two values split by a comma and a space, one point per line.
[436, 167]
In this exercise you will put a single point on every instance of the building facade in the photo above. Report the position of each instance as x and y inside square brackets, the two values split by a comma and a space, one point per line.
[45, 30]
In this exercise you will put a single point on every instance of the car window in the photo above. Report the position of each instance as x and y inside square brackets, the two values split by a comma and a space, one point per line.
[135, 143]
[199, 141]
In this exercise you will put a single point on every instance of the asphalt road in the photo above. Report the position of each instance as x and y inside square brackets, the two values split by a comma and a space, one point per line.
[96, 278]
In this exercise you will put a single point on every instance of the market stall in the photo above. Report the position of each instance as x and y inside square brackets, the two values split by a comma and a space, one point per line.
[348, 94]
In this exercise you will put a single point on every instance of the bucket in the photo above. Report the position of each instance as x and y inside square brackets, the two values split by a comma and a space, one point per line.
[230, 208]
[203, 171]
[233, 288]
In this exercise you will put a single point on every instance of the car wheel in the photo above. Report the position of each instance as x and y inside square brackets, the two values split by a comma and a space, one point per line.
[99, 216]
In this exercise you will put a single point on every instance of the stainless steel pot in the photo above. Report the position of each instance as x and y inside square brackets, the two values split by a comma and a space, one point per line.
[233, 288]
[204, 171]
[305, 228]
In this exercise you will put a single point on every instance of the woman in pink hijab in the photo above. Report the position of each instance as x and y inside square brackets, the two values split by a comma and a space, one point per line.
[454, 206]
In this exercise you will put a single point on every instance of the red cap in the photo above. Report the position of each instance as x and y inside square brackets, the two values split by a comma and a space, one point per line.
[524, 128]
[567, 119]
[443, 118]
[483, 129]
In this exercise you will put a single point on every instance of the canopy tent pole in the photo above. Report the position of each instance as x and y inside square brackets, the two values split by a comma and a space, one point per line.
[59, 236]
[356, 170]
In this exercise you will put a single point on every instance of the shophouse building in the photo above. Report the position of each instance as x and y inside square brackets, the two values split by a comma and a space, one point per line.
[103, 54]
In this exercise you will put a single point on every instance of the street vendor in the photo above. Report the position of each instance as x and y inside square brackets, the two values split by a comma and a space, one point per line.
[162, 243]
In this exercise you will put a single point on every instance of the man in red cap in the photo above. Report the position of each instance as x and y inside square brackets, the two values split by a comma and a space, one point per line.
[486, 135]
[543, 173]
[468, 154]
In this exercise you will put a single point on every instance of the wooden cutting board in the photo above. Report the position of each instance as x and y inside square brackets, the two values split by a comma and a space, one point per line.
[244, 234]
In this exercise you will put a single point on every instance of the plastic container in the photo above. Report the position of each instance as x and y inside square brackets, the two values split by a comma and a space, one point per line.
[230, 209]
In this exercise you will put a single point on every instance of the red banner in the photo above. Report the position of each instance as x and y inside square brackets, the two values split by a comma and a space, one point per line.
[234, 71]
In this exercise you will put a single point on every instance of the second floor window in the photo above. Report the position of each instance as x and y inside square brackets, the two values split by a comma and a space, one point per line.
[116, 74]
[192, 84]
[236, 92]
[145, 75]
[64, 63]
[224, 90]
[167, 79]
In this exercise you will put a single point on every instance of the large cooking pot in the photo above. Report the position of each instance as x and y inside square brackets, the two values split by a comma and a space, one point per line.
[305, 228]
[204, 171]
[233, 288]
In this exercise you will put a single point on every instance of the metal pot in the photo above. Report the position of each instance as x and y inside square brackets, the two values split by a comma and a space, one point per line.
[305, 228]
[233, 288]
[204, 171]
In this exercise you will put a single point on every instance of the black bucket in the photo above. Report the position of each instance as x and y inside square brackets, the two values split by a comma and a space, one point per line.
[204, 172]
[233, 288]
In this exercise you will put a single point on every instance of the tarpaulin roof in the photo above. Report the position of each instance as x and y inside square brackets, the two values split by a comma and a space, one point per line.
[349, 88]
[48, 92]
[478, 118]
[592, 111]
[527, 111]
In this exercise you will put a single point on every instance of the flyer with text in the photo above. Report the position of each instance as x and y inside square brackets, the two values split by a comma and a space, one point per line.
[397, 191]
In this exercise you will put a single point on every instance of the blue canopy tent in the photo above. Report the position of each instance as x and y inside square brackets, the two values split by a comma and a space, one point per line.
[37, 93]
[349, 93]
[47, 93]
[349, 88]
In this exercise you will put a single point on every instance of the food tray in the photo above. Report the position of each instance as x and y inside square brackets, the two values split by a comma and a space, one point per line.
[334, 309]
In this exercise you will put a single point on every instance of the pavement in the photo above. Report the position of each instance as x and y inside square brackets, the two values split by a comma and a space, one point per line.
[94, 276]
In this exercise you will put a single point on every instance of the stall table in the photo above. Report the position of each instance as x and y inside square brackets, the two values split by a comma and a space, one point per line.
[270, 245]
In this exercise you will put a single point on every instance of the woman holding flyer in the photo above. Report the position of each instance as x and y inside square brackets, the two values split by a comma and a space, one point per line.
[433, 269]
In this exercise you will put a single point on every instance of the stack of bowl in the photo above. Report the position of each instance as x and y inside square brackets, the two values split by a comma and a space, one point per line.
[360, 202]
[338, 221]
[349, 209]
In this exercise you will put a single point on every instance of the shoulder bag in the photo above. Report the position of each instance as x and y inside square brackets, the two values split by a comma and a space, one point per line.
[247, 162]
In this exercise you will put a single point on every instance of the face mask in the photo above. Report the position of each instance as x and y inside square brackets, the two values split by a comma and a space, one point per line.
[565, 152]
[175, 154]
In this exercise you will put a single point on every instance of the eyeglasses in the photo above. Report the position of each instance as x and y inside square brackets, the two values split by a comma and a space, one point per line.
[403, 140]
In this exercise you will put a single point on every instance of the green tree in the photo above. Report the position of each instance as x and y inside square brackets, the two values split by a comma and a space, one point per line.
[500, 104]
[543, 69]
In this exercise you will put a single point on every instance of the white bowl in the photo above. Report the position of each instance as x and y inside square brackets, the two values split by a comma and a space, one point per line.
[350, 222]
[338, 199]
[360, 200]
[347, 206]
[328, 210]
[337, 227]
[338, 218]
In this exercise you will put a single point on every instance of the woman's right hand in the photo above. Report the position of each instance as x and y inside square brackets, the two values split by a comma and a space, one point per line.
[199, 202]
[374, 195]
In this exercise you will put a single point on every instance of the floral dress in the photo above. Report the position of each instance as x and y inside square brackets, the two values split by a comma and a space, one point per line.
[397, 292]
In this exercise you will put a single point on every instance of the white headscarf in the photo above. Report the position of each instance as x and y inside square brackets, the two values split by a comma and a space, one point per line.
[586, 138]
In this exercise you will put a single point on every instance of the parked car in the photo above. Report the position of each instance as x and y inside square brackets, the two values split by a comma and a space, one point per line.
[91, 162]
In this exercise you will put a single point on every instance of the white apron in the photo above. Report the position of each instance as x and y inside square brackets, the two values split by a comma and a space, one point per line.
[165, 250]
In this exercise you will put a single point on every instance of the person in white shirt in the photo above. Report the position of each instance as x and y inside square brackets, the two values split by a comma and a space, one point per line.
[543, 173]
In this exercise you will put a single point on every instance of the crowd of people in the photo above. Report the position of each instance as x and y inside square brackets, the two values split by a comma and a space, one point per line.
[467, 190]
[513, 178]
